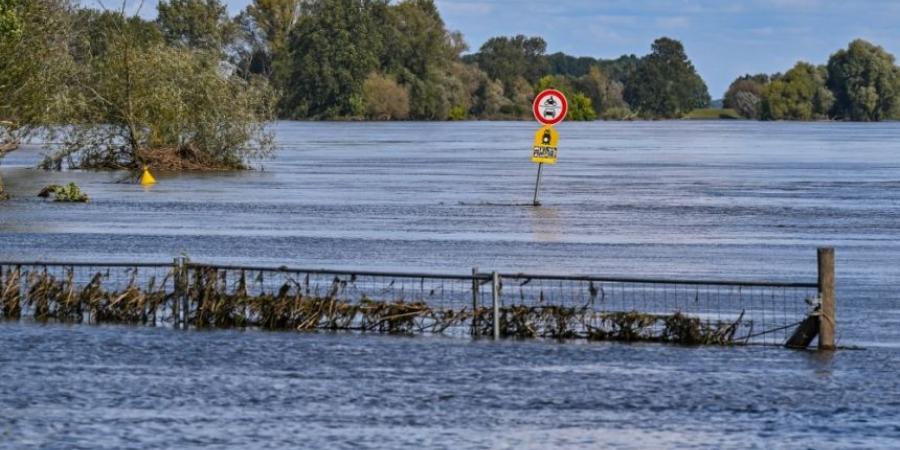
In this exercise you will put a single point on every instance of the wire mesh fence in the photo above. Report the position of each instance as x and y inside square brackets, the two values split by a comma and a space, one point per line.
[731, 312]
[512, 305]
[282, 298]
[87, 292]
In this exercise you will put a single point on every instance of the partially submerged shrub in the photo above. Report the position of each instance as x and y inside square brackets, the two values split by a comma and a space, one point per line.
[68, 193]
[135, 102]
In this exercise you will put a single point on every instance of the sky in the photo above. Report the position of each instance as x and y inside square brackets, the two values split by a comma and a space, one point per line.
[723, 38]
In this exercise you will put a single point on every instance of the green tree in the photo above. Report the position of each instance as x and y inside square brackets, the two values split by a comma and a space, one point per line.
[421, 53]
[800, 94]
[580, 106]
[508, 59]
[35, 68]
[275, 19]
[140, 102]
[865, 81]
[197, 24]
[263, 28]
[335, 45]
[35, 65]
[744, 95]
[665, 83]
[605, 93]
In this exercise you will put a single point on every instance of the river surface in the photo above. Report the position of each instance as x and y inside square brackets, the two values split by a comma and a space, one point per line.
[720, 200]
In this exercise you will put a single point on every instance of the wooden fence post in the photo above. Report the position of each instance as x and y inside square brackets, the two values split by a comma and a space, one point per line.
[826, 294]
[495, 291]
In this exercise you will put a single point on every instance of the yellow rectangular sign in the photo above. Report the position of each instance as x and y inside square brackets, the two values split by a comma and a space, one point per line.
[546, 146]
[546, 155]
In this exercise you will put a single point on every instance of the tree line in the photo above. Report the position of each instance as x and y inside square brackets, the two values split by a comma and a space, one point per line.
[859, 83]
[373, 59]
[342, 59]
[194, 87]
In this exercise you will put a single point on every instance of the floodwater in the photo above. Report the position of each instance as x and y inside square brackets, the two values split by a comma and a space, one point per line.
[720, 200]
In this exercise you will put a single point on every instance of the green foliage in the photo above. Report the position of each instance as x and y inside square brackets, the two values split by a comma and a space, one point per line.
[139, 102]
[745, 95]
[605, 93]
[275, 19]
[385, 99]
[665, 83]
[458, 112]
[618, 113]
[508, 59]
[618, 69]
[335, 45]
[713, 114]
[581, 108]
[197, 24]
[800, 94]
[421, 52]
[10, 22]
[35, 66]
[865, 82]
[69, 193]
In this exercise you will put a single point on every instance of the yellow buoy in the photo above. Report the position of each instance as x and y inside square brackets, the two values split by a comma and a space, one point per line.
[146, 178]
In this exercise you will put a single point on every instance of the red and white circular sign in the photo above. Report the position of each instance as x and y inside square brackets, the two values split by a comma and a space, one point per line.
[550, 107]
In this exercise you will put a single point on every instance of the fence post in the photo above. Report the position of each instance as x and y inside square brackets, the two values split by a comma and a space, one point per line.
[176, 297]
[495, 294]
[185, 298]
[475, 287]
[826, 293]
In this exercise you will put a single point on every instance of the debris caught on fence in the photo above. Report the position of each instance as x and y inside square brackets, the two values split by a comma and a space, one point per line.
[189, 295]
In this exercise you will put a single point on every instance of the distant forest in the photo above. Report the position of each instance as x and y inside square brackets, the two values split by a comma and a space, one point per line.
[383, 60]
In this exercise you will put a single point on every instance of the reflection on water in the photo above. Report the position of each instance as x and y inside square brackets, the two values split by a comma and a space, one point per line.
[546, 224]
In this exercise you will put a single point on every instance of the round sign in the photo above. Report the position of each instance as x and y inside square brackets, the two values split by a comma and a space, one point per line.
[550, 107]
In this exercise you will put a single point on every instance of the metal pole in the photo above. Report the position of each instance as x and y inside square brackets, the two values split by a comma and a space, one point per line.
[185, 298]
[495, 291]
[475, 285]
[537, 185]
[179, 285]
[826, 293]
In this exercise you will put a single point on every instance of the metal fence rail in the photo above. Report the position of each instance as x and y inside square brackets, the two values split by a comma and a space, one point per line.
[185, 294]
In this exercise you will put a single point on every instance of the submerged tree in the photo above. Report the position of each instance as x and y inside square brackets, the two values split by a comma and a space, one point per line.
[865, 82]
[134, 101]
[35, 67]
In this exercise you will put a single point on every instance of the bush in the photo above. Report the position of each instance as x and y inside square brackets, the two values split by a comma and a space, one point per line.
[69, 193]
[457, 113]
[618, 113]
[154, 99]
[384, 99]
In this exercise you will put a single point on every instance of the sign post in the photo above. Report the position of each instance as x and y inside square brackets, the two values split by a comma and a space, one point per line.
[550, 108]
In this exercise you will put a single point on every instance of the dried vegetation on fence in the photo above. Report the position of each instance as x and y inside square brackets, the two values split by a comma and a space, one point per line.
[212, 303]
